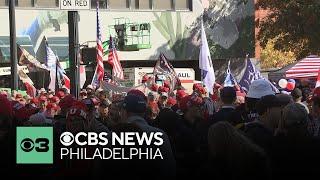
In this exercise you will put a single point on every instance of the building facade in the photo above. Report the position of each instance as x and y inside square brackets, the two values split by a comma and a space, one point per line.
[174, 27]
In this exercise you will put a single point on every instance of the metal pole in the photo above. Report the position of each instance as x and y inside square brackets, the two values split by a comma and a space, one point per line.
[73, 18]
[13, 46]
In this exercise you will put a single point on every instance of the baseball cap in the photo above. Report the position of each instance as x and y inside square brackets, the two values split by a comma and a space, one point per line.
[295, 114]
[260, 88]
[137, 93]
[134, 103]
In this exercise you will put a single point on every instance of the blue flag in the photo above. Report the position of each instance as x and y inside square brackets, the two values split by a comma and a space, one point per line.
[252, 73]
[230, 81]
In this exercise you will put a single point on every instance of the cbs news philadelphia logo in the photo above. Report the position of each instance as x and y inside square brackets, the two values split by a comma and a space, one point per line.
[34, 145]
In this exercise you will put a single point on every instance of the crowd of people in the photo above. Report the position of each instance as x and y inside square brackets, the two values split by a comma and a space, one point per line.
[228, 135]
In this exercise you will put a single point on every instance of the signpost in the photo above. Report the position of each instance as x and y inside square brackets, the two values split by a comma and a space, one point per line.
[75, 5]
[73, 17]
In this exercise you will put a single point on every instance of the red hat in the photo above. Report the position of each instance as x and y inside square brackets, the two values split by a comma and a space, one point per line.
[42, 98]
[165, 89]
[52, 106]
[180, 94]
[242, 94]
[6, 107]
[18, 96]
[217, 86]
[195, 86]
[202, 90]
[145, 78]
[171, 101]
[20, 111]
[154, 87]
[67, 102]
[77, 117]
[137, 93]
[34, 101]
[183, 103]
[60, 94]
[166, 84]
[195, 100]
[54, 99]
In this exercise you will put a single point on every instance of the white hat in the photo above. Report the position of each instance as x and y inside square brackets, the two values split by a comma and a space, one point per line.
[99, 90]
[260, 88]
[89, 87]
[164, 94]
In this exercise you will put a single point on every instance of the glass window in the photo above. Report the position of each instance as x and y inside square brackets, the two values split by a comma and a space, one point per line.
[25, 3]
[102, 4]
[6, 2]
[182, 5]
[118, 4]
[162, 4]
[145, 4]
[47, 3]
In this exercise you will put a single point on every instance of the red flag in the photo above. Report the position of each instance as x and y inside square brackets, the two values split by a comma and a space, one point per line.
[66, 81]
[114, 61]
[100, 68]
[318, 79]
[31, 90]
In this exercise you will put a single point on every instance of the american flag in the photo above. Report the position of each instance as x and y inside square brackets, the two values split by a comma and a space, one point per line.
[306, 68]
[114, 61]
[163, 67]
[100, 68]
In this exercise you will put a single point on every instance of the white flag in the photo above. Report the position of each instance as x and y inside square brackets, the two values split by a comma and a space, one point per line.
[205, 63]
[52, 66]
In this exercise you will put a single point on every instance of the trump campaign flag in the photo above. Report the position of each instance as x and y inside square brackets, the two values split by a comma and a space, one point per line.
[205, 63]
[252, 73]
[230, 81]
[163, 67]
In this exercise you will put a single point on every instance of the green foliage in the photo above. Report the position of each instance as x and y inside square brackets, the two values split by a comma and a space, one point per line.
[298, 23]
[272, 58]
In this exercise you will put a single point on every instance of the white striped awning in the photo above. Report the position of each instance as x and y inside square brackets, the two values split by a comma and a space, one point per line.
[306, 68]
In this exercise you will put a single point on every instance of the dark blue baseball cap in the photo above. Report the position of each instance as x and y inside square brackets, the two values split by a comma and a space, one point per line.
[134, 104]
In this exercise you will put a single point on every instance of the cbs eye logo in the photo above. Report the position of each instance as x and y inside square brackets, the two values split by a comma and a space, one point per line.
[66, 138]
[40, 145]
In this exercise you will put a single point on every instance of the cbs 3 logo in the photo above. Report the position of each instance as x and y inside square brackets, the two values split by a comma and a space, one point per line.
[40, 145]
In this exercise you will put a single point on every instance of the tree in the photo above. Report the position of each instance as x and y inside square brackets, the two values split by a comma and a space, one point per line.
[298, 23]
[272, 58]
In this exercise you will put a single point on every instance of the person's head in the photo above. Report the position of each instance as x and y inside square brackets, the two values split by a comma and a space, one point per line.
[51, 110]
[227, 143]
[152, 111]
[134, 104]
[151, 96]
[284, 99]
[269, 110]
[90, 90]
[257, 89]
[296, 95]
[104, 94]
[315, 103]
[228, 95]
[168, 121]
[163, 98]
[104, 108]
[65, 103]
[77, 118]
[193, 110]
[115, 111]
[294, 120]
[6, 113]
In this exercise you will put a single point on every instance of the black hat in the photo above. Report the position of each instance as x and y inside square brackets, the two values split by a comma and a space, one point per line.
[229, 92]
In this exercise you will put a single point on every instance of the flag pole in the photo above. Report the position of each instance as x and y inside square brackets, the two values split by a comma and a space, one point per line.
[13, 46]
[56, 81]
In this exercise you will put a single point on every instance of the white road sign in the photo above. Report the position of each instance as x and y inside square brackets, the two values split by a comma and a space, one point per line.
[75, 4]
